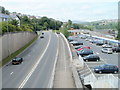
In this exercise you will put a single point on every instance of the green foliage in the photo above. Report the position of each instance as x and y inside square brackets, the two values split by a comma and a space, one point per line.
[28, 24]
[118, 28]
[3, 11]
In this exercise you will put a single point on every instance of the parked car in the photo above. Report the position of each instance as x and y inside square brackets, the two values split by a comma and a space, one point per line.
[17, 60]
[106, 46]
[106, 68]
[83, 48]
[116, 49]
[91, 57]
[84, 52]
[107, 50]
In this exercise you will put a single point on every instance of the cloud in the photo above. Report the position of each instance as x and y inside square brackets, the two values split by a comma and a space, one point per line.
[65, 9]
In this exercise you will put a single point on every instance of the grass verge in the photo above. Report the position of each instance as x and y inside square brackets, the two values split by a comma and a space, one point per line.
[7, 59]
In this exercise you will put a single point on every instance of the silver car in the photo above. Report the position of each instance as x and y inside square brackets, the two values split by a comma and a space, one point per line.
[107, 50]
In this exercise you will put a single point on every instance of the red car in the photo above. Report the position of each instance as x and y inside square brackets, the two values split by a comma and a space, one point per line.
[83, 48]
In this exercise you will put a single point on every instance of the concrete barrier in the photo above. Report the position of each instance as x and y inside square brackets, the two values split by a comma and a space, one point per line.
[12, 42]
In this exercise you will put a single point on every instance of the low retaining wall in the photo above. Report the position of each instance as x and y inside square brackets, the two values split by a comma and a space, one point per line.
[12, 42]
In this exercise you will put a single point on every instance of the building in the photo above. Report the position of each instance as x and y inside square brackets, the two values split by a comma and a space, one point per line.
[4, 17]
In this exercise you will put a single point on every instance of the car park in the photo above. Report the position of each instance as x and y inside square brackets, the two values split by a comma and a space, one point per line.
[91, 57]
[116, 49]
[84, 52]
[17, 60]
[106, 68]
[107, 50]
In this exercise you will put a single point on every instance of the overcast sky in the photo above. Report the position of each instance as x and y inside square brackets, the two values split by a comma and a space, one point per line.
[80, 10]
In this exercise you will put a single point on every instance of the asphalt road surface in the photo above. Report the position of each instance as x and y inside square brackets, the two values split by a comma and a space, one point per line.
[36, 69]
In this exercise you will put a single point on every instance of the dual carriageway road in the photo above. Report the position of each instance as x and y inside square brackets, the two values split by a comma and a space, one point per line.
[38, 66]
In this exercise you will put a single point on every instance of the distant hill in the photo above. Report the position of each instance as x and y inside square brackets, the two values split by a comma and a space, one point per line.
[79, 22]
[100, 24]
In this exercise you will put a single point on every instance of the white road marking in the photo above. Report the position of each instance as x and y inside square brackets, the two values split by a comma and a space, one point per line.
[34, 67]
[11, 73]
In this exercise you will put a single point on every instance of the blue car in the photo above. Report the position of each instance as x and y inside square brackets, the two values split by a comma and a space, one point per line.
[106, 68]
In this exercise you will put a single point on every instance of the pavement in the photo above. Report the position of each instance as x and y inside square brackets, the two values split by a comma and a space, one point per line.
[63, 73]
[37, 67]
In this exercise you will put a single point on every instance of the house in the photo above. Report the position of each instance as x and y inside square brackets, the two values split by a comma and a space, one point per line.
[4, 17]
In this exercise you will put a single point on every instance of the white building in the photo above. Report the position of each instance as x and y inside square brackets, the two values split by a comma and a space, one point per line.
[4, 17]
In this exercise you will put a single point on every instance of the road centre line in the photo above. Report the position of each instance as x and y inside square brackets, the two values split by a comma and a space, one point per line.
[35, 66]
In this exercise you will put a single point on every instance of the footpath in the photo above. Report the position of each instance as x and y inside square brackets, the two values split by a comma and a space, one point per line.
[63, 73]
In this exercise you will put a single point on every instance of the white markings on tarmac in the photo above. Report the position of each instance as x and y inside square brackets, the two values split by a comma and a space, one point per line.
[34, 67]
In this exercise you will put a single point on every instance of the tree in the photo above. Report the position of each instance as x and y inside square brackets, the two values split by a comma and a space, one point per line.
[7, 12]
[14, 22]
[2, 10]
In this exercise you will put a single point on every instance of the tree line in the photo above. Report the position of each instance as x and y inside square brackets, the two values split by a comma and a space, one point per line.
[32, 25]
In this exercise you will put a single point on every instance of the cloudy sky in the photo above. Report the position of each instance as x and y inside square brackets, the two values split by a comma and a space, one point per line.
[80, 10]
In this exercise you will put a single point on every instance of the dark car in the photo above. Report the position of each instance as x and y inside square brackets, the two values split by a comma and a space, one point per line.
[91, 57]
[106, 68]
[17, 60]
[84, 52]
[41, 36]
[116, 49]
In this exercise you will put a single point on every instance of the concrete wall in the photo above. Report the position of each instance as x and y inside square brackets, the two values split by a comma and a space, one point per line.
[11, 42]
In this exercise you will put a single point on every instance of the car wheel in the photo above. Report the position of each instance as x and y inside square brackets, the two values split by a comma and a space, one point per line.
[100, 72]
[115, 72]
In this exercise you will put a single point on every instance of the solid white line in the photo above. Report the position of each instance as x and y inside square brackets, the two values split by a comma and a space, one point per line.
[34, 67]
[50, 85]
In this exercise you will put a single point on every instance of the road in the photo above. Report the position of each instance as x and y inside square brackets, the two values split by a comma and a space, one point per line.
[36, 69]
